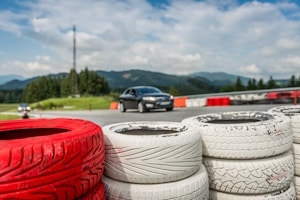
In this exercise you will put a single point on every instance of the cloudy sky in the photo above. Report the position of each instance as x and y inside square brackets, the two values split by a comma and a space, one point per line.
[257, 39]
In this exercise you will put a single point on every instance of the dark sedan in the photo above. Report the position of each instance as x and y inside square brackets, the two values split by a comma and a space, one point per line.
[145, 98]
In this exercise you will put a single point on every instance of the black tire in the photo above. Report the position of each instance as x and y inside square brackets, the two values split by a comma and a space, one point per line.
[122, 107]
[141, 107]
[169, 109]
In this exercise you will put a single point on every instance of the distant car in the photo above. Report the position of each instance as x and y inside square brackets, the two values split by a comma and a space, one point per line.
[23, 107]
[145, 98]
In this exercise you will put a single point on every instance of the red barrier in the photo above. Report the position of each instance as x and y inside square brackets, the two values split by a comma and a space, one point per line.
[180, 101]
[114, 106]
[218, 101]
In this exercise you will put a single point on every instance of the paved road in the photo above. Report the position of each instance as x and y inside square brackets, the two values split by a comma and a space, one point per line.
[105, 117]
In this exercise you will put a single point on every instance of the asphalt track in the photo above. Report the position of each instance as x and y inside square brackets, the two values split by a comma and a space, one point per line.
[105, 117]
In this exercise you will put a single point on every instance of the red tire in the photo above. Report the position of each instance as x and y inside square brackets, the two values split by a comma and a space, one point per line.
[97, 193]
[49, 158]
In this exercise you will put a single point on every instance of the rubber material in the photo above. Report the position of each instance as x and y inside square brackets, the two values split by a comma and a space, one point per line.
[297, 186]
[49, 158]
[151, 152]
[284, 194]
[243, 135]
[294, 113]
[193, 187]
[296, 154]
[96, 193]
[257, 176]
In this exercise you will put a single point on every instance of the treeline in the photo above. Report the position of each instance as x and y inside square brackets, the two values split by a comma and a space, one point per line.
[253, 84]
[87, 83]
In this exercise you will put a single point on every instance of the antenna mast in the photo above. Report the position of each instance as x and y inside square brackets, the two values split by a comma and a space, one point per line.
[74, 73]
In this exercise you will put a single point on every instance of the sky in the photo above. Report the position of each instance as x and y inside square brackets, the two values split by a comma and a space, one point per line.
[256, 39]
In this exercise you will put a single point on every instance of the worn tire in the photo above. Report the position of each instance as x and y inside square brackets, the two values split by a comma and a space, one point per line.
[294, 113]
[284, 194]
[297, 186]
[296, 153]
[151, 152]
[49, 158]
[193, 187]
[96, 193]
[257, 176]
[243, 135]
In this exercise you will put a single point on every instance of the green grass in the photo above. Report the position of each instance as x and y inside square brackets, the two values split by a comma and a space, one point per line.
[9, 108]
[82, 103]
[8, 117]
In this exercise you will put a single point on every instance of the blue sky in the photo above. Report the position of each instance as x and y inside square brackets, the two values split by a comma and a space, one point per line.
[257, 39]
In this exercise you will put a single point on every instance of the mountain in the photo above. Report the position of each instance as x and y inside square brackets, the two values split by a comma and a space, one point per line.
[196, 83]
[220, 78]
[6, 78]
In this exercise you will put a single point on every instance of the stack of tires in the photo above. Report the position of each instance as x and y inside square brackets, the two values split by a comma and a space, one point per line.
[247, 155]
[154, 161]
[51, 159]
[293, 111]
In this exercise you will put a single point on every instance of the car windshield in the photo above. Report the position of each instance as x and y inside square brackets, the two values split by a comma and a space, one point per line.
[148, 90]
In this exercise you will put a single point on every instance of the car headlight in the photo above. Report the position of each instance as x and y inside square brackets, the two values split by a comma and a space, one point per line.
[149, 98]
[171, 97]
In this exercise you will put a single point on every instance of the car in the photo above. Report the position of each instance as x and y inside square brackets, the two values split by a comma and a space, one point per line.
[24, 107]
[145, 98]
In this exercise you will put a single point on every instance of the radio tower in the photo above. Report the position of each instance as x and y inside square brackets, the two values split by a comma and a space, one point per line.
[74, 73]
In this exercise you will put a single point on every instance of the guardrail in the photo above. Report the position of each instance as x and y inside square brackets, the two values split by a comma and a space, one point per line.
[278, 95]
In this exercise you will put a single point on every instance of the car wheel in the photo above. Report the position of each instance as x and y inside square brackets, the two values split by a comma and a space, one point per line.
[141, 107]
[122, 107]
[169, 109]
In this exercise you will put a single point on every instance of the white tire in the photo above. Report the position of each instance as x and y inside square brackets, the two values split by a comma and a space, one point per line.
[294, 113]
[297, 186]
[296, 153]
[151, 152]
[284, 194]
[258, 176]
[193, 187]
[243, 135]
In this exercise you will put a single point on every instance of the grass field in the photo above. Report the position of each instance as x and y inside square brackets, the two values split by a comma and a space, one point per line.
[82, 103]
[8, 108]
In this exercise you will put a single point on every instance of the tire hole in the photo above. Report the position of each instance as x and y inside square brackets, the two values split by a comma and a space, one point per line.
[32, 132]
[232, 121]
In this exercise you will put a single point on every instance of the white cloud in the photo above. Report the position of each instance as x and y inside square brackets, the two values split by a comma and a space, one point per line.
[185, 37]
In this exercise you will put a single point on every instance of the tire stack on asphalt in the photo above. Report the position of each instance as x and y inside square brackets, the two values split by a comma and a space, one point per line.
[247, 155]
[58, 158]
[293, 111]
[154, 161]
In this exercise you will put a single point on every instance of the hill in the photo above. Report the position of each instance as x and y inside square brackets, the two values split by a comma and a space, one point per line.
[6, 78]
[196, 83]
[220, 78]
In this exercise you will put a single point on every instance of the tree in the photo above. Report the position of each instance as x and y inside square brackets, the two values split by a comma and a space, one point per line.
[292, 81]
[260, 84]
[251, 84]
[271, 83]
[173, 91]
[238, 85]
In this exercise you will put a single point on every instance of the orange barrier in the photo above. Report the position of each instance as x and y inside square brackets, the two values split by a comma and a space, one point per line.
[180, 101]
[113, 106]
[218, 101]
